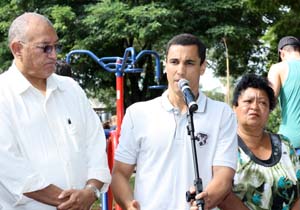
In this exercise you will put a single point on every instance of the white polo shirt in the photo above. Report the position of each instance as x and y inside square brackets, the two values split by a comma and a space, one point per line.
[54, 139]
[154, 136]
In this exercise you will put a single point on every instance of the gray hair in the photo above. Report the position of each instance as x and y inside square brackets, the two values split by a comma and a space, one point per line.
[19, 26]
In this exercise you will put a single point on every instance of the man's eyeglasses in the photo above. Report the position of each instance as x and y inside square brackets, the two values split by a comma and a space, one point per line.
[48, 48]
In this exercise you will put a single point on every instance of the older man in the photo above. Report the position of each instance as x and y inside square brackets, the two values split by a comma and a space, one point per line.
[52, 145]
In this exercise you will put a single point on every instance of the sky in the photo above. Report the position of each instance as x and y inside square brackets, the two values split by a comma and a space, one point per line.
[209, 82]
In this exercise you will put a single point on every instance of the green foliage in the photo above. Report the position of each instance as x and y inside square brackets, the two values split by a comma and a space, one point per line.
[282, 18]
[251, 28]
[114, 26]
[105, 95]
[63, 18]
[214, 95]
[7, 13]
[274, 120]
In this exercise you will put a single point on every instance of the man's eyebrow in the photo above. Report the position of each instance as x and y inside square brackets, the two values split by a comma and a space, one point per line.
[47, 42]
[190, 60]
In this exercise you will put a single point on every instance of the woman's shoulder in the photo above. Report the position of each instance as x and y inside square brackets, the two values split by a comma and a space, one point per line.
[278, 138]
[288, 152]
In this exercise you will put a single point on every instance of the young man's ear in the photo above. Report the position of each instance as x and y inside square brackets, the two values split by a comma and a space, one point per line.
[203, 68]
[233, 107]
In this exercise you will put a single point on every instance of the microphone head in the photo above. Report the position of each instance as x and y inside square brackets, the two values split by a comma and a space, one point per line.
[182, 83]
[189, 98]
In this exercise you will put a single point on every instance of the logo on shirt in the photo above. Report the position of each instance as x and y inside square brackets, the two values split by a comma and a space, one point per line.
[201, 138]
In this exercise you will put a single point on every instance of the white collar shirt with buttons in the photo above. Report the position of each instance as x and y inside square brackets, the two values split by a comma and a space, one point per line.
[54, 139]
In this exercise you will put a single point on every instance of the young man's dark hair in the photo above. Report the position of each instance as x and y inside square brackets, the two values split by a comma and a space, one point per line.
[188, 39]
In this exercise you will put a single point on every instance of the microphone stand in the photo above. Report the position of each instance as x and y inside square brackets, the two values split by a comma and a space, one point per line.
[197, 181]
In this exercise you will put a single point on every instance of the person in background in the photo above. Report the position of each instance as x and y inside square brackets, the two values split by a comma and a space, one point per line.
[63, 68]
[107, 128]
[113, 122]
[284, 77]
[155, 142]
[268, 172]
[52, 145]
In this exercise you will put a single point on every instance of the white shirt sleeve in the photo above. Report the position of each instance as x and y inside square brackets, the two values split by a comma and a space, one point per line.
[95, 146]
[227, 140]
[17, 175]
[127, 149]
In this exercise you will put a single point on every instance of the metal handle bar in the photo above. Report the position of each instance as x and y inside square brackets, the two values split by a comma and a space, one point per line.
[157, 61]
[119, 64]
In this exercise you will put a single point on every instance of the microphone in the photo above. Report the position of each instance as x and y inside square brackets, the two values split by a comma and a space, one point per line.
[189, 97]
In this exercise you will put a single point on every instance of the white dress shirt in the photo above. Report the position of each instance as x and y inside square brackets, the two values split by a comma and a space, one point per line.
[54, 139]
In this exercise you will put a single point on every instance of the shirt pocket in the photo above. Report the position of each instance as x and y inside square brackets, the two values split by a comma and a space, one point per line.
[71, 127]
[73, 134]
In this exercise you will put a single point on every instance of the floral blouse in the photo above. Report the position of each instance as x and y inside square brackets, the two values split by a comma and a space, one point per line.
[268, 184]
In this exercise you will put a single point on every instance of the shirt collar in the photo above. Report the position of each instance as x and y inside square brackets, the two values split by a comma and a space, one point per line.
[21, 84]
[201, 101]
[53, 83]
[166, 102]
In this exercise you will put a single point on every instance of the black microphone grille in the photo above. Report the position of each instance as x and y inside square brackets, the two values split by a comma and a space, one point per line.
[182, 83]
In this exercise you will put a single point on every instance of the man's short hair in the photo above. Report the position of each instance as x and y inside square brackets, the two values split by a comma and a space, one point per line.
[18, 27]
[188, 39]
[288, 41]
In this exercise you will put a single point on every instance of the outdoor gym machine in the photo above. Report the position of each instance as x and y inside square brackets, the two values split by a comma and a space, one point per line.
[119, 66]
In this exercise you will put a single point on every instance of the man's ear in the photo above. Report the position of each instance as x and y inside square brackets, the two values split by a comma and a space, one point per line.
[202, 68]
[16, 48]
[282, 54]
[233, 107]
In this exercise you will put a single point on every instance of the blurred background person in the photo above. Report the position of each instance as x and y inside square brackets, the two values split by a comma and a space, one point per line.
[285, 79]
[113, 122]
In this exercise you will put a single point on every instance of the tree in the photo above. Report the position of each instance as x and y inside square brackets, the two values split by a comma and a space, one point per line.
[108, 27]
[114, 26]
[282, 18]
[274, 120]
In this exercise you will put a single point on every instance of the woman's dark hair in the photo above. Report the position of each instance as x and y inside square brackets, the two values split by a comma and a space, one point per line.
[254, 81]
